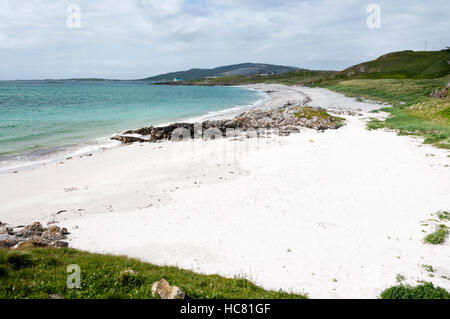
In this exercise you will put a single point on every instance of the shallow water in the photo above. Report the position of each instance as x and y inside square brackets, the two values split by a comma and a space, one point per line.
[39, 118]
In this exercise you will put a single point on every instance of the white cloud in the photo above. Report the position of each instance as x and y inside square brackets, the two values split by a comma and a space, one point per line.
[137, 38]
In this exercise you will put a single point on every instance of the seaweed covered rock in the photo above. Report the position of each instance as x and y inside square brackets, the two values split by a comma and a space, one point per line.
[283, 121]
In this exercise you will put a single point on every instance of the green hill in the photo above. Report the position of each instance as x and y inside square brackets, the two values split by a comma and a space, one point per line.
[395, 65]
[244, 69]
[402, 65]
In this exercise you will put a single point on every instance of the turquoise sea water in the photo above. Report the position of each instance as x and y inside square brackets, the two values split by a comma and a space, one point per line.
[41, 117]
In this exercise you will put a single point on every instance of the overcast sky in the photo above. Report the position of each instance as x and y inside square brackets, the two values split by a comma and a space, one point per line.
[129, 39]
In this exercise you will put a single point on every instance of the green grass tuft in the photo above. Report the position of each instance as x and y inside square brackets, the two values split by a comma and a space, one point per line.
[443, 215]
[400, 278]
[438, 237]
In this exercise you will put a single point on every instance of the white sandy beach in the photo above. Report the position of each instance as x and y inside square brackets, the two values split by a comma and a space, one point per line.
[334, 215]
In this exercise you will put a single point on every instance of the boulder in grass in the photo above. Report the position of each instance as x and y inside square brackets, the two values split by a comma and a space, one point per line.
[166, 291]
[439, 93]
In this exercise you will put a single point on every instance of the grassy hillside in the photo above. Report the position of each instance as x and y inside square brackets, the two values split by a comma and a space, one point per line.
[243, 69]
[402, 65]
[396, 65]
[40, 272]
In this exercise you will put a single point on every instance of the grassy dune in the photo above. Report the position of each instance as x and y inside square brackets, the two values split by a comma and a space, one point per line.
[37, 273]
[403, 79]
[413, 112]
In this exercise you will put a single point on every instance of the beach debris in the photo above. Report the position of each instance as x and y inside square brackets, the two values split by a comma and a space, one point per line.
[34, 235]
[254, 123]
[61, 211]
[166, 291]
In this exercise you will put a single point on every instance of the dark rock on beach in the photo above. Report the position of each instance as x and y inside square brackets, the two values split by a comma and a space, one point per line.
[254, 123]
[8, 243]
[129, 139]
[6, 230]
[32, 230]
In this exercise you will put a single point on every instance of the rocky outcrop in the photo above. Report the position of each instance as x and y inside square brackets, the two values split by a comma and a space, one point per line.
[166, 291]
[163, 132]
[439, 93]
[282, 121]
[35, 235]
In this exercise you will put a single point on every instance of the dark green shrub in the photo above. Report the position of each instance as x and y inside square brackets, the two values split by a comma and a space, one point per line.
[3, 271]
[52, 262]
[18, 260]
[130, 278]
[425, 291]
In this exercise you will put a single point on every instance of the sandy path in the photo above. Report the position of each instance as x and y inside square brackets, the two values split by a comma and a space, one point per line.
[335, 214]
